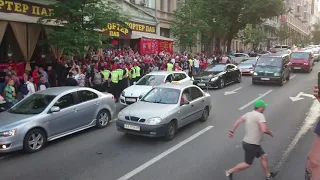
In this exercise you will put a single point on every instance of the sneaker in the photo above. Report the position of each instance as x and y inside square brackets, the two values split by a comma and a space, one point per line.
[272, 175]
[229, 176]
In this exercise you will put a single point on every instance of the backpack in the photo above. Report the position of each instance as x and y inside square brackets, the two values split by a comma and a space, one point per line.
[24, 89]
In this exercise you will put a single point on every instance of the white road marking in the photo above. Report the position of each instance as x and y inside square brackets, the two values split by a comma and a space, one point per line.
[232, 92]
[311, 119]
[293, 76]
[162, 155]
[251, 102]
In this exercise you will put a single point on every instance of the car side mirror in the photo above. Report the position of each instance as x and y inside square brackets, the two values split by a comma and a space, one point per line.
[183, 102]
[54, 109]
[134, 83]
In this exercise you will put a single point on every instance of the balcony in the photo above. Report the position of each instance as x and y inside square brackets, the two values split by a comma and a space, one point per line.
[270, 23]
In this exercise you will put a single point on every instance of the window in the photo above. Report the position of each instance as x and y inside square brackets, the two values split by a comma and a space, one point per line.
[186, 95]
[169, 5]
[65, 101]
[177, 77]
[87, 95]
[196, 93]
[162, 5]
[169, 79]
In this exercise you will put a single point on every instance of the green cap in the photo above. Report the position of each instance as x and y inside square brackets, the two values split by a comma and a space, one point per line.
[260, 103]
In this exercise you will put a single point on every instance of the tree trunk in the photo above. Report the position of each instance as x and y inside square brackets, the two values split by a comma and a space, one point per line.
[229, 41]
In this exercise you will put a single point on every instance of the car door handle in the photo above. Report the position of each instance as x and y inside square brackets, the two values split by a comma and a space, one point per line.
[97, 103]
[75, 110]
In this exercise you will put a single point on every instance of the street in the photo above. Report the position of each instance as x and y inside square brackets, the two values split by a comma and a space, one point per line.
[199, 151]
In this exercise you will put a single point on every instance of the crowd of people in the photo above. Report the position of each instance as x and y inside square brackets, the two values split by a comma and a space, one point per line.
[112, 71]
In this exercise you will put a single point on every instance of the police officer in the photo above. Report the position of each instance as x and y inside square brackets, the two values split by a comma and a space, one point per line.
[125, 78]
[137, 69]
[121, 73]
[132, 74]
[106, 74]
[114, 84]
[169, 66]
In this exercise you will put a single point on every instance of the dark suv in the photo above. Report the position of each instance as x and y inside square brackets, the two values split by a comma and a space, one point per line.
[272, 68]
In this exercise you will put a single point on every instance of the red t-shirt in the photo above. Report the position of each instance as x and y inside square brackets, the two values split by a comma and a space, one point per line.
[34, 76]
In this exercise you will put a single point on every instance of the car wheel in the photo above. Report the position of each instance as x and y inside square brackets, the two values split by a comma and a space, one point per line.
[205, 114]
[103, 118]
[34, 141]
[239, 78]
[221, 84]
[170, 131]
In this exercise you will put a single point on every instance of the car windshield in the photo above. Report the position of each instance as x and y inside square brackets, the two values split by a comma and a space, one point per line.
[214, 68]
[269, 62]
[299, 55]
[150, 80]
[162, 96]
[33, 104]
[247, 61]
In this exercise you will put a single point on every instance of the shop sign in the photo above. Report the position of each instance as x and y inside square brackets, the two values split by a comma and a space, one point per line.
[141, 27]
[26, 8]
[117, 30]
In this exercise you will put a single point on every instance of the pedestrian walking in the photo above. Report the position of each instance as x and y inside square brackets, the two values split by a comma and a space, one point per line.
[255, 126]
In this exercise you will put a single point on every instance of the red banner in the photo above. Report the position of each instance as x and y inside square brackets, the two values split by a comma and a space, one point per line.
[17, 67]
[166, 46]
[148, 46]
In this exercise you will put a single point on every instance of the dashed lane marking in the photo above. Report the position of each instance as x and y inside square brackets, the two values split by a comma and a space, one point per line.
[162, 155]
[251, 102]
[293, 76]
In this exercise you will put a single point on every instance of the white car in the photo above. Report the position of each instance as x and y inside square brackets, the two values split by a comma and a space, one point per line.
[131, 94]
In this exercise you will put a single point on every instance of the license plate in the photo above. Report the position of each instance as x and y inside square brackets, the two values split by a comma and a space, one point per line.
[265, 79]
[201, 84]
[131, 99]
[296, 67]
[132, 127]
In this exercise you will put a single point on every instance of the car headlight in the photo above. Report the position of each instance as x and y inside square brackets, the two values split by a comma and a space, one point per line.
[255, 74]
[153, 121]
[122, 93]
[277, 74]
[8, 133]
[305, 63]
[121, 116]
[214, 79]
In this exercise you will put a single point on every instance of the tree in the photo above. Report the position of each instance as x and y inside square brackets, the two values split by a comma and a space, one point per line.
[252, 36]
[78, 22]
[235, 15]
[188, 23]
[283, 32]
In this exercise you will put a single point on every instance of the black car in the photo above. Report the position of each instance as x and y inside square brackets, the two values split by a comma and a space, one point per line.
[217, 76]
[273, 68]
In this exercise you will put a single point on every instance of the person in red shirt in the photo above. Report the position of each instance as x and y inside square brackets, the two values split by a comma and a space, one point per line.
[36, 75]
[177, 67]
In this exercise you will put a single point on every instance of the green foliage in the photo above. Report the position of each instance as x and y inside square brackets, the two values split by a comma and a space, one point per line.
[225, 18]
[252, 36]
[316, 33]
[77, 23]
[188, 23]
[284, 32]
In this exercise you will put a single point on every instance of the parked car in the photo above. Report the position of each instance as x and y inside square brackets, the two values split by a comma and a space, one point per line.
[51, 114]
[246, 66]
[131, 94]
[165, 109]
[301, 61]
[218, 76]
[272, 68]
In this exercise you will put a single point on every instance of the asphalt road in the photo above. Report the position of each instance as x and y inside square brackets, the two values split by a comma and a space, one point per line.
[199, 151]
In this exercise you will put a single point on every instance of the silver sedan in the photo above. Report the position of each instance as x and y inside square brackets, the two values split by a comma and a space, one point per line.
[165, 109]
[51, 114]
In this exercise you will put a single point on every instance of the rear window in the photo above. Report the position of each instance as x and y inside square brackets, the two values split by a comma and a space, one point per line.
[299, 55]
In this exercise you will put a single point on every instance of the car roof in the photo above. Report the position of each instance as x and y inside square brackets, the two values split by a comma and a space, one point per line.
[163, 72]
[175, 86]
[59, 90]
